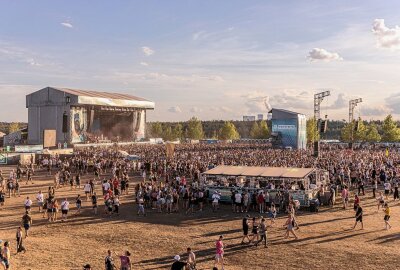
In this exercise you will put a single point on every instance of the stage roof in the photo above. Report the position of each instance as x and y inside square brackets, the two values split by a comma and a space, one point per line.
[57, 95]
[277, 172]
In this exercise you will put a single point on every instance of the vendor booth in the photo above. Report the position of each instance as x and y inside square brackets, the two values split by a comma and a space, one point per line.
[301, 183]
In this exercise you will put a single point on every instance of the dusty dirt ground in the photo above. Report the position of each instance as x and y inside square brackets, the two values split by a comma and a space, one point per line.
[325, 238]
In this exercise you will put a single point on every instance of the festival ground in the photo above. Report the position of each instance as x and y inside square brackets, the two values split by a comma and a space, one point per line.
[325, 239]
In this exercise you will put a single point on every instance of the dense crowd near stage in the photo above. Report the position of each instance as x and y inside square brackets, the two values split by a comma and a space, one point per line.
[172, 185]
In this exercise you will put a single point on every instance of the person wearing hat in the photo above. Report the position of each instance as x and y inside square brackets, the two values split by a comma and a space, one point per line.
[178, 265]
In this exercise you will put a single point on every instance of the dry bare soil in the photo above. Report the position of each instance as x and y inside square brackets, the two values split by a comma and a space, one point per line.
[325, 239]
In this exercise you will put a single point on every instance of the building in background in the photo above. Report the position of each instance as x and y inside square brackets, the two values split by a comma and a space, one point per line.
[249, 118]
[79, 116]
[260, 116]
[291, 127]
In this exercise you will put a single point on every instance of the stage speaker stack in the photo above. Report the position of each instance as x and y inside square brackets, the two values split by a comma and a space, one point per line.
[316, 149]
[65, 123]
[324, 126]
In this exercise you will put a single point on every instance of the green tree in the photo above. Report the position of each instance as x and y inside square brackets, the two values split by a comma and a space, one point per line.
[228, 132]
[263, 130]
[372, 134]
[167, 134]
[312, 132]
[156, 130]
[360, 134]
[390, 130]
[13, 127]
[348, 131]
[255, 130]
[194, 129]
[177, 132]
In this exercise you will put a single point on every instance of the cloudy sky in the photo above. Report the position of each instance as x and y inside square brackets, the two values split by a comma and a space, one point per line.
[210, 59]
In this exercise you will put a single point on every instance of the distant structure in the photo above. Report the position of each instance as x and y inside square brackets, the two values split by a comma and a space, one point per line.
[260, 116]
[249, 118]
[77, 116]
[290, 127]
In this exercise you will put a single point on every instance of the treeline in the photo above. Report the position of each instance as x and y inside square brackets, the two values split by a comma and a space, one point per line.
[366, 131]
[9, 127]
[196, 130]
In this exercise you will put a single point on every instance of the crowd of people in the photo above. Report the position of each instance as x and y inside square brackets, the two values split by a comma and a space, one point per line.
[174, 185]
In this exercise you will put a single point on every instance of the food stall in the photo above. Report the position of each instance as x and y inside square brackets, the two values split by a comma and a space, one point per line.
[301, 183]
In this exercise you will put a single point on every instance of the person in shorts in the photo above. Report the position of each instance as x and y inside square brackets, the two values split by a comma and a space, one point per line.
[94, 203]
[245, 226]
[26, 222]
[6, 255]
[64, 209]
[386, 209]
[359, 217]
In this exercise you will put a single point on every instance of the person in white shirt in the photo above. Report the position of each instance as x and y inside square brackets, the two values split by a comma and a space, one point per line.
[387, 187]
[238, 202]
[64, 209]
[106, 187]
[215, 199]
[28, 204]
[88, 189]
[40, 200]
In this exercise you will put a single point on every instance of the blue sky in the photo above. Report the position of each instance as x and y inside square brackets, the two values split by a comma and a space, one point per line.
[210, 59]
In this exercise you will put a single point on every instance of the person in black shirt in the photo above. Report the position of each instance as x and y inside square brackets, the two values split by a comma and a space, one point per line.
[178, 265]
[94, 203]
[245, 229]
[359, 216]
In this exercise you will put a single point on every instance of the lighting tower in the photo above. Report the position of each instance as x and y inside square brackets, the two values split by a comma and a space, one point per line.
[318, 98]
[352, 104]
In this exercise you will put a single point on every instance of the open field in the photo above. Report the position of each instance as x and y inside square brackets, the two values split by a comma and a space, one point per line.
[325, 238]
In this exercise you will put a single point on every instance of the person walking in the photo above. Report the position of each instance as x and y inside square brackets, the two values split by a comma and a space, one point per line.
[345, 197]
[64, 209]
[6, 255]
[40, 201]
[125, 260]
[109, 261]
[254, 230]
[26, 223]
[290, 224]
[191, 261]
[386, 209]
[245, 226]
[219, 256]
[359, 217]
[263, 233]
[20, 246]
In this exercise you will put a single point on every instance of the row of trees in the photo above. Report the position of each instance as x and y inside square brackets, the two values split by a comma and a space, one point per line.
[386, 131]
[193, 129]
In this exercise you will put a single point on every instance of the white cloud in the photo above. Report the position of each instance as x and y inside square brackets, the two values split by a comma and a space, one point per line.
[256, 102]
[147, 51]
[340, 103]
[67, 24]
[199, 35]
[195, 110]
[393, 103]
[378, 111]
[292, 99]
[32, 62]
[144, 64]
[225, 109]
[175, 109]
[318, 54]
[386, 37]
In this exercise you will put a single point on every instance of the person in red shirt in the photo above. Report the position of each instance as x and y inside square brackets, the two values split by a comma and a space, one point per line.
[115, 183]
[356, 202]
